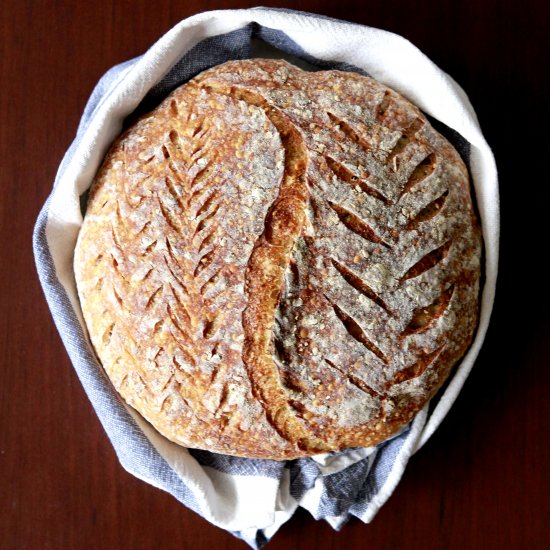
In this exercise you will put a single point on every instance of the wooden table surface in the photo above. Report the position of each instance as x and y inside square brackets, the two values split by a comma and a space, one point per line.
[483, 479]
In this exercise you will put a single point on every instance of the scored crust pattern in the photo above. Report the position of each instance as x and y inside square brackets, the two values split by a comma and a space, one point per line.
[276, 263]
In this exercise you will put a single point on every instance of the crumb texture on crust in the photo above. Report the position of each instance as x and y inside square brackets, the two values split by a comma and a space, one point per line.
[276, 263]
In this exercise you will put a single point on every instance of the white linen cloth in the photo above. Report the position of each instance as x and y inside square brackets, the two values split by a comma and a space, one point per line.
[253, 498]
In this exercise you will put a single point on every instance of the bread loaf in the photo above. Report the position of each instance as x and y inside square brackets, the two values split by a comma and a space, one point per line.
[276, 263]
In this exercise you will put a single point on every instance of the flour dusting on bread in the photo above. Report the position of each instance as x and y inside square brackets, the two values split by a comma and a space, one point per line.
[277, 263]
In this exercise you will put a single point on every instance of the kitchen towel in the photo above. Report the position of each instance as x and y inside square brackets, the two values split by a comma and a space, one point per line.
[253, 498]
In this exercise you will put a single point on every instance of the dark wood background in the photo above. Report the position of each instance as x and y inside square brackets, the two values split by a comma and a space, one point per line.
[483, 479]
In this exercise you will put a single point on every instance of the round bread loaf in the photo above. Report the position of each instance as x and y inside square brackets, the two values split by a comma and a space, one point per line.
[277, 263]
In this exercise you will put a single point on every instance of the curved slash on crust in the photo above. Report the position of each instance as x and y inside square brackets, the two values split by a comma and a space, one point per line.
[205, 262]
[175, 277]
[153, 297]
[211, 281]
[209, 240]
[169, 381]
[207, 217]
[188, 357]
[120, 219]
[356, 224]
[176, 322]
[118, 298]
[157, 327]
[264, 275]
[212, 326]
[354, 380]
[115, 237]
[173, 192]
[99, 284]
[428, 212]
[343, 173]
[406, 138]
[416, 369]
[383, 106]
[148, 248]
[167, 215]
[116, 268]
[358, 284]
[208, 202]
[202, 173]
[176, 263]
[106, 338]
[356, 332]
[143, 228]
[355, 136]
[427, 262]
[180, 303]
[425, 317]
[424, 169]
[126, 185]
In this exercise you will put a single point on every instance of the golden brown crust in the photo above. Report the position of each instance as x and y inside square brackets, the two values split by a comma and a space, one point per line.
[277, 263]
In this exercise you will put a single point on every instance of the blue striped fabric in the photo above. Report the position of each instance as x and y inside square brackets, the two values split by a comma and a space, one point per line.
[332, 493]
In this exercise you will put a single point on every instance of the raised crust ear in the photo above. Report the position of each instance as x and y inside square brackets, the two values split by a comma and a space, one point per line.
[277, 263]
